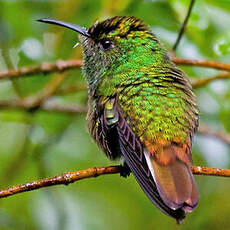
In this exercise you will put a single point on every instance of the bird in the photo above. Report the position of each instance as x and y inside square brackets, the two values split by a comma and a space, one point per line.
[141, 109]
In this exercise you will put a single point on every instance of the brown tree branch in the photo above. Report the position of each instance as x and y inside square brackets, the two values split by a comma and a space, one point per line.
[44, 68]
[182, 29]
[70, 177]
[60, 66]
[65, 178]
[19, 104]
[205, 171]
[201, 63]
[203, 82]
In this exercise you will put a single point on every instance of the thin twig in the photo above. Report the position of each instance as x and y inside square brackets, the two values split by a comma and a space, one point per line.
[203, 82]
[47, 91]
[182, 29]
[61, 66]
[205, 130]
[70, 177]
[202, 63]
[44, 68]
[19, 104]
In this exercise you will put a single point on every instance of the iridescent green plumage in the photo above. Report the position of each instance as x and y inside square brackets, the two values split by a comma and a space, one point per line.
[153, 97]
[142, 109]
[144, 72]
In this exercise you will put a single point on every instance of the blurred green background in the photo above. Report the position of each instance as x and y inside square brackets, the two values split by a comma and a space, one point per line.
[36, 144]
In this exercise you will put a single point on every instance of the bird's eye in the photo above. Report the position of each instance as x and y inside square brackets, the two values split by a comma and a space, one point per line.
[105, 44]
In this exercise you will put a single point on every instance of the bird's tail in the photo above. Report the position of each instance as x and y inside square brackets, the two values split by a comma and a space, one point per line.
[174, 179]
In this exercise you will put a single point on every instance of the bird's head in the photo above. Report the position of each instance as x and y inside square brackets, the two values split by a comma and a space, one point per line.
[119, 43]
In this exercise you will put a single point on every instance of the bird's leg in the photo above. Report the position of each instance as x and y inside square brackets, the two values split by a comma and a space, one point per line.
[125, 170]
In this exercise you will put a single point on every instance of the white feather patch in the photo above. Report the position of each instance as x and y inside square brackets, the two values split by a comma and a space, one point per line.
[147, 157]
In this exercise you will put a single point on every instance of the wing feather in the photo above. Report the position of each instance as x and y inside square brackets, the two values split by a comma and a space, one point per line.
[133, 153]
[117, 138]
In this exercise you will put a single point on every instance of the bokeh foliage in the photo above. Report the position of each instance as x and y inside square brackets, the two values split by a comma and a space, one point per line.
[38, 144]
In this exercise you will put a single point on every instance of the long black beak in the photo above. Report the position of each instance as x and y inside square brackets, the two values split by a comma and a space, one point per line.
[76, 28]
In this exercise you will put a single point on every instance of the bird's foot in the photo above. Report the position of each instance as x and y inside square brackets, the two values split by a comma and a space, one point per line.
[125, 170]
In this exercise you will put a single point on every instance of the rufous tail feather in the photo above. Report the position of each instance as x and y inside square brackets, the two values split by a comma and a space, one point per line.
[174, 181]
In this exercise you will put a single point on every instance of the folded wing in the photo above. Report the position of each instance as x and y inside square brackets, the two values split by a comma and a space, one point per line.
[134, 154]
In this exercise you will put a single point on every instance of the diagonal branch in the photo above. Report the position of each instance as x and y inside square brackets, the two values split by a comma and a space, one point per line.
[60, 66]
[47, 91]
[182, 29]
[203, 82]
[70, 177]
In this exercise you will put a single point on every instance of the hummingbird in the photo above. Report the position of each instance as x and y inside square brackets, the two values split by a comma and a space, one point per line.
[141, 109]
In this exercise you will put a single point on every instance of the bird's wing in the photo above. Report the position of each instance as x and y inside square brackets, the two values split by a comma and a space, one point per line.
[133, 152]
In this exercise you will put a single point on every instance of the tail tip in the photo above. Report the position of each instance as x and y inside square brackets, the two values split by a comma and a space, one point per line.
[186, 208]
[180, 220]
[181, 214]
